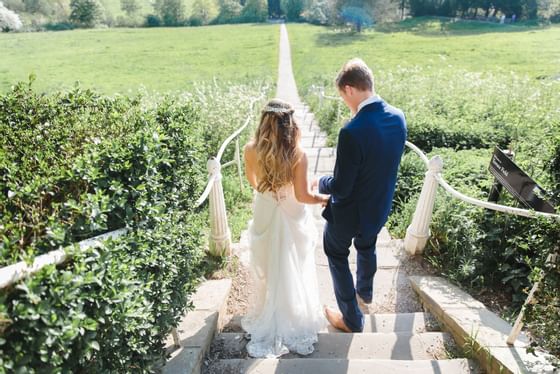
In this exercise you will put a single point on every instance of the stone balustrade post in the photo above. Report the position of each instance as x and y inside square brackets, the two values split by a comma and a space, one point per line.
[220, 236]
[418, 232]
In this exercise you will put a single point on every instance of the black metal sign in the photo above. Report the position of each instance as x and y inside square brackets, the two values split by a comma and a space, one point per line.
[519, 184]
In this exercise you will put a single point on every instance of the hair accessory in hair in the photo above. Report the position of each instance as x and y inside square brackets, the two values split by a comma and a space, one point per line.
[277, 109]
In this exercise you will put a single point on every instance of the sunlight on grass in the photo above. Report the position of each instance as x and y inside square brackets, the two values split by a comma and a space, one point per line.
[123, 60]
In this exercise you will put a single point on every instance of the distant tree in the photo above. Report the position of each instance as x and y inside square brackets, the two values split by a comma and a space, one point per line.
[35, 6]
[292, 9]
[530, 9]
[254, 11]
[9, 21]
[447, 8]
[85, 13]
[385, 11]
[550, 10]
[171, 12]
[357, 16]
[274, 8]
[203, 12]
[318, 13]
[230, 10]
[130, 7]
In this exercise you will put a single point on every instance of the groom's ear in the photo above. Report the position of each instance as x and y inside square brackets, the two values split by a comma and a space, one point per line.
[344, 90]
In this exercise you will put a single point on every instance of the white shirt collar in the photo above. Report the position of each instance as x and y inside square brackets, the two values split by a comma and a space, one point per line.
[368, 101]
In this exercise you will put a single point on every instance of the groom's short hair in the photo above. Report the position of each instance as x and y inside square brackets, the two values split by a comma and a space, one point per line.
[355, 73]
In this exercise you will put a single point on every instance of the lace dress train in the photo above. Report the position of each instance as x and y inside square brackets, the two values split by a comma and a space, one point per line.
[285, 312]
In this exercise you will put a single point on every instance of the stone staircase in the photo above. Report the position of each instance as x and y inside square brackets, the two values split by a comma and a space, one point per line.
[398, 337]
[391, 343]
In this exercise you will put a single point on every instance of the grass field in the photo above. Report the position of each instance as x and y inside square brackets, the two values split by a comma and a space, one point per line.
[431, 44]
[120, 60]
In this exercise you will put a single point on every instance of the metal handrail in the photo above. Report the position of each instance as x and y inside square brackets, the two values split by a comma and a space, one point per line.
[214, 173]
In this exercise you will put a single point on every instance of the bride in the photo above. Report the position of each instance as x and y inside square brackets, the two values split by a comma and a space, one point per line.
[285, 313]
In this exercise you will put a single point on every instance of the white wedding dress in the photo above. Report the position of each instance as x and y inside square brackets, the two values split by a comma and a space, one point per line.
[285, 313]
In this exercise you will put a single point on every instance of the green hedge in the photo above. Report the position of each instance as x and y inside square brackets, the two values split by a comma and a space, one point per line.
[462, 116]
[77, 164]
[455, 109]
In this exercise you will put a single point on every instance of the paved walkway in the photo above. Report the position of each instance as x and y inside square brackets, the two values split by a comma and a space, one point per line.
[392, 289]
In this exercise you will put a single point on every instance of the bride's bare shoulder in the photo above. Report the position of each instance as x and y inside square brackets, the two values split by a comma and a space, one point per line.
[250, 149]
[301, 157]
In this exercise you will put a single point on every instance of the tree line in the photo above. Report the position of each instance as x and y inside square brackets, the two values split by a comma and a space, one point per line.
[67, 14]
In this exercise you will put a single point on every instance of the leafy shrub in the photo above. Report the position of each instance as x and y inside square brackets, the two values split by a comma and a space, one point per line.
[481, 249]
[170, 12]
[76, 164]
[59, 26]
[254, 11]
[85, 13]
[458, 109]
[152, 21]
[229, 12]
[9, 20]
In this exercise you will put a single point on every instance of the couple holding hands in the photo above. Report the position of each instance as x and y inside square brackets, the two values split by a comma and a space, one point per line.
[286, 313]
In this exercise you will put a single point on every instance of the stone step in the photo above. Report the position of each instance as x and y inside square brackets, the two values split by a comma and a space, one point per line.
[392, 292]
[338, 366]
[313, 140]
[473, 324]
[386, 323]
[390, 346]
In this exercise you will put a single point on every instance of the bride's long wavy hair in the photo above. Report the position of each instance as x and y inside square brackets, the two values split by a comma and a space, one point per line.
[276, 141]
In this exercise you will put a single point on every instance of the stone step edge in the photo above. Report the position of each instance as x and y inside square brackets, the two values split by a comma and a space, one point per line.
[477, 329]
[395, 346]
[417, 322]
[197, 328]
[335, 365]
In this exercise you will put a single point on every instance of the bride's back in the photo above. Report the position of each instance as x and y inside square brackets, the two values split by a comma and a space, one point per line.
[274, 160]
[274, 151]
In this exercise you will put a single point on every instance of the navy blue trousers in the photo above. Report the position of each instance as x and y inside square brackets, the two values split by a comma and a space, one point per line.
[336, 243]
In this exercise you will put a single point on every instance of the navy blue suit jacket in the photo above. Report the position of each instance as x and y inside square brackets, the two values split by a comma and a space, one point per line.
[369, 151]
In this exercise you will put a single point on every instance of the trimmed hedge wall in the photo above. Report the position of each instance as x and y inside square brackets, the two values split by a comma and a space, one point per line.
[76, 164]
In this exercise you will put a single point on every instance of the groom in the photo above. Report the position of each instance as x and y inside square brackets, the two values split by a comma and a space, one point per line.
[368, 155]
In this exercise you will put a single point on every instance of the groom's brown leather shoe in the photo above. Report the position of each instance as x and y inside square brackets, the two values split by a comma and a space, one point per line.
[335, 318]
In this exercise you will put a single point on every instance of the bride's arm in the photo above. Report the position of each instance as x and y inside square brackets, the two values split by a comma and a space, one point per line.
[250, 159]
[301, 186]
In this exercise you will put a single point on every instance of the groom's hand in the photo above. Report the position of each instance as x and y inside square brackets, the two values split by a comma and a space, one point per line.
[325, 200]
